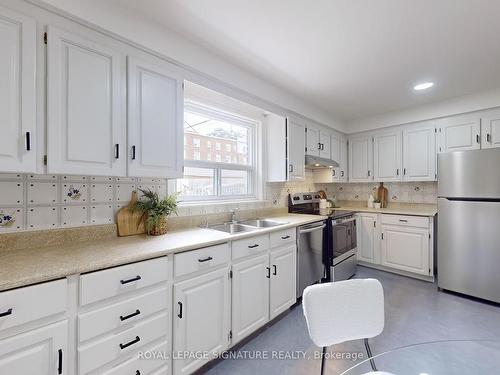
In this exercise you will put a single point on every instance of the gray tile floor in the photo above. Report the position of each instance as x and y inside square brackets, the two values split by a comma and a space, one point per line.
[415, 312]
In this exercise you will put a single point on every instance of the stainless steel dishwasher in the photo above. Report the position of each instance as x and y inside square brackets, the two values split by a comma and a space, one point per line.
[310, 267]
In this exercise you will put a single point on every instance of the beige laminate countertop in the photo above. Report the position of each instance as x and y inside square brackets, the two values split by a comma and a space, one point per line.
[416, 210]
[34, 265]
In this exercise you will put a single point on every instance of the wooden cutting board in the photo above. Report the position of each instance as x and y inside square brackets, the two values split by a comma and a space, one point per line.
[128, 222]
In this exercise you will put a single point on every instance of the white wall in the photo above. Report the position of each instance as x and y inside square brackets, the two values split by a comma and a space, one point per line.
[205, 67]
[462, 104]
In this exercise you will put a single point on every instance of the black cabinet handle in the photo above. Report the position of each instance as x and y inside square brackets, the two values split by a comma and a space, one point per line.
[285, 237]
[333, 172]
[374, 224]
[253, 246]
[369, 173]
[137, 312]
[290, 168]
[28, 141]
[137, 372]
[477, 138]
[403, 221]
[133, 152]
[275, 270]
[397, 172]
[488, 137]
[404, 171]
[382, 235]
[341, 173]
[268, 272]
[6, 313]
[180, 310]
[117, 151]
[137, 278]
[59, 361]
[319, 146]
[134, 341]
[205, 259]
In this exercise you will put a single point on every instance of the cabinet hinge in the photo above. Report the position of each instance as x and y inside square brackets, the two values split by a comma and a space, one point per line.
[230, 274]
[44, 159]
[45, 38]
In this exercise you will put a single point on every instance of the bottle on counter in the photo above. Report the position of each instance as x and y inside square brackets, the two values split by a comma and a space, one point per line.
[370, 201]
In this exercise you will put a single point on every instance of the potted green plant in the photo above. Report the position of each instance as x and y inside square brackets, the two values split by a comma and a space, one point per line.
[156, 210]
[377, 203]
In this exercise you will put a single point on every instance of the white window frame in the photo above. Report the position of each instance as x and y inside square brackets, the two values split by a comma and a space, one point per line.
[253, 127]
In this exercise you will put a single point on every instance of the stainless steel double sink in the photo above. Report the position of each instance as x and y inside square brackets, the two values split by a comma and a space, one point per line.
[246, 225]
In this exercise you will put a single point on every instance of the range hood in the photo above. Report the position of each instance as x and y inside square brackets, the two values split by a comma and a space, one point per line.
[315, 162]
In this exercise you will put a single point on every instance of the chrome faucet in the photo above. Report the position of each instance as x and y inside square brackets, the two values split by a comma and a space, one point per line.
[233, 215]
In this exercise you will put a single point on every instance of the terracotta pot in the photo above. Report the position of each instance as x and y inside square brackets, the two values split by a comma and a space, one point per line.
[160, 228]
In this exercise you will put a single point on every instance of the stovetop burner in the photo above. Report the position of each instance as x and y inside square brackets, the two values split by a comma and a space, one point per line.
[308, 203]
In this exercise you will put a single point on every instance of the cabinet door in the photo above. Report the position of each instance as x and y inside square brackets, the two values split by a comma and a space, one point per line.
[490, 130]
[296, 148]
[419, 152]
[85, 105]
[17, 92]
[368, 239]
[201, 321]
[155, 116]
[283, 279]
[343, 160]
[387, 155]
[405, 248]
[325, 147]
[42, 351]
[459, 133]
[361, 159]
[313, 142]
[250, 296]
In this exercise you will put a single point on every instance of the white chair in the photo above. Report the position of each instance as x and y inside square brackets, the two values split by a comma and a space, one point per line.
[342, 311]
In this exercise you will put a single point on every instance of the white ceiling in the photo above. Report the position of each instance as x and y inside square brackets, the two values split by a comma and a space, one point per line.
[353, 58]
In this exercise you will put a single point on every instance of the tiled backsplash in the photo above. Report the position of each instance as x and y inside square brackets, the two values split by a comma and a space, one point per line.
[52, 201]
[405, 192]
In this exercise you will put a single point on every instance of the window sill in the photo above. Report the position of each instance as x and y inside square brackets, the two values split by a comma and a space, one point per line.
[221, 202]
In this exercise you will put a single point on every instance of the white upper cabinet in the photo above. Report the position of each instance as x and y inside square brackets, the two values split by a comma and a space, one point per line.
[490, 129]
[387, 152]
[296, 149]
[361, 158]
[419, 152]
[459, 133]
[85, 105]
[318, 142]
[17, 92]
[313, 142]
[155, 116]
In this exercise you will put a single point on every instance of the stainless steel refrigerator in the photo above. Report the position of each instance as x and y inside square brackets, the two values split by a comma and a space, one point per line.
[468, 257]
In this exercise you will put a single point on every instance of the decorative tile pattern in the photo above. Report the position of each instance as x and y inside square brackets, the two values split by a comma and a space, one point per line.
[405, 192]
[30, 202]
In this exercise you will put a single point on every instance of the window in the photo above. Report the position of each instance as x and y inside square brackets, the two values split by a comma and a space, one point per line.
[232, 173]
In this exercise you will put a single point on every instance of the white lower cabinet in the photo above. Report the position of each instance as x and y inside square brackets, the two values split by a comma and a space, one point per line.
[367, 238]
[283, 279]
[250, 296]
[396, 242]
[406, 248]
[201, 321]
[42, 351]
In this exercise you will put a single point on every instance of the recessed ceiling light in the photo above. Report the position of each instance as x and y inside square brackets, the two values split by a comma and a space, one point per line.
[423, 86]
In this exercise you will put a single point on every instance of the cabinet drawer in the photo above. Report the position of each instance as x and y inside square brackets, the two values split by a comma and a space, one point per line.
[136, 365]
[201, 259]
[410, 221]
[30, 303]
[120, 314]
[100, 285]
[283, 237]
[248, 246]
[94, 355]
